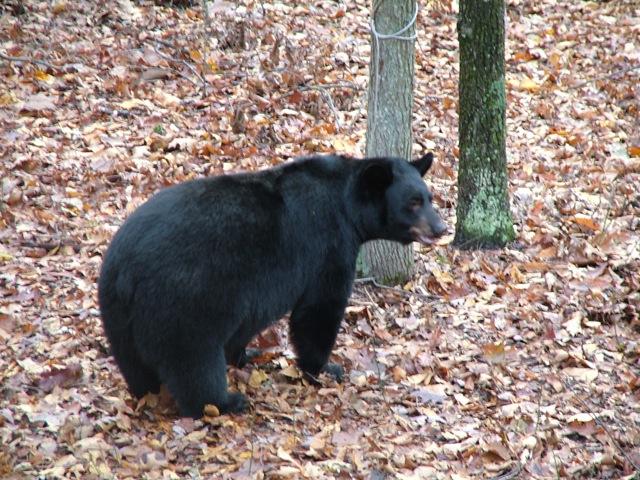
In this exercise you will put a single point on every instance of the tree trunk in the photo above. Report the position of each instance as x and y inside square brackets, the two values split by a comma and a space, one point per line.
[483, 215]
[391, 75]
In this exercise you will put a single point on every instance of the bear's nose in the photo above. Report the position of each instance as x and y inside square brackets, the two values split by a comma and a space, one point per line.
[439, 229]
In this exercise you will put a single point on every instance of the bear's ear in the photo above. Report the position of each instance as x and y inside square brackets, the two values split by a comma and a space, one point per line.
[375, 177]
[423, 164]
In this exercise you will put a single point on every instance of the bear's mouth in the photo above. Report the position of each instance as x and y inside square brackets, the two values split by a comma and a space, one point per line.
[423, 236]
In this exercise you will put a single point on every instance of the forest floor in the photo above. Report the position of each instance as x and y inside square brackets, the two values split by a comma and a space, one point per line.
[518, 363]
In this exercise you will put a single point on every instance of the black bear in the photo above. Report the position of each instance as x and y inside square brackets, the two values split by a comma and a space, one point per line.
[202, 267]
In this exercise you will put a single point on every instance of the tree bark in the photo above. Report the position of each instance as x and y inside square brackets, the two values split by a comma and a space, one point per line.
[483, 214]
[389, 108]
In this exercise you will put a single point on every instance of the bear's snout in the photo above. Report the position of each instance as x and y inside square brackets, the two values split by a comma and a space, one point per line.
[426, 232]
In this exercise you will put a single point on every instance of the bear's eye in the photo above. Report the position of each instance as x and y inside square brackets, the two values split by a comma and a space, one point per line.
[416, 203]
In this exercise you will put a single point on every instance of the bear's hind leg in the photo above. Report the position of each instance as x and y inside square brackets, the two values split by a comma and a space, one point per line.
[236, 351]
[240, 357]
[140, 378]
[199, 378]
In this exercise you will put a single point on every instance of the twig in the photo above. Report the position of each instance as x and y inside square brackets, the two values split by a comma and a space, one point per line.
[606, 76]
[183, 52]
[50, 245]
[207, 18]
[205, 44]
[327, 97]
[28, 60]
[375, 283]
[519, 466]
[601, 424]
[328, 86]
[381, 382]
[252, 422]
[168, 44]
[171, 59]
[513, 473]
[607, 215]
[332, 107]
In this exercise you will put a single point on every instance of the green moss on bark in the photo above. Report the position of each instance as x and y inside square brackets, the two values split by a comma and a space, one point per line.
[484, 218]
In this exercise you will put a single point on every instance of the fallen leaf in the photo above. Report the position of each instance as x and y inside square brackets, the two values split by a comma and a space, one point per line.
[494, 352]
[39, 102]
[586, 221]
[292, 372]
[256, 378]
[211, 410]
[587, 375]
[60, 377]
[431, 393]
[528, 85]
[574, 324]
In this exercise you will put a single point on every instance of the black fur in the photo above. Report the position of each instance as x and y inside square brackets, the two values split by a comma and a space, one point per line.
[202, 267]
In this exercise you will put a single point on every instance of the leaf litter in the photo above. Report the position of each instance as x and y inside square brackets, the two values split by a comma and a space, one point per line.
[489, 364]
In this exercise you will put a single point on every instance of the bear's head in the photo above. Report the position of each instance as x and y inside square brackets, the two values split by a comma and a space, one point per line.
[396, 203]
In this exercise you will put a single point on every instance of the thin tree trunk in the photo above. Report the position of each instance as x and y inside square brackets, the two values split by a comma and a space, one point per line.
[483, 215]
[389, 120]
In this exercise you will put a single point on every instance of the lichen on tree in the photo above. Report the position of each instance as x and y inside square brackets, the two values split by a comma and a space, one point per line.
[483, 214]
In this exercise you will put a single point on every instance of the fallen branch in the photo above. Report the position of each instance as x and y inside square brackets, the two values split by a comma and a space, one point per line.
[187, 77]
[27, 60]
[513, 473]
[51, 245]
[607, 76]
[323, 89]
[184, 53]
[326, 86]
[375, 283]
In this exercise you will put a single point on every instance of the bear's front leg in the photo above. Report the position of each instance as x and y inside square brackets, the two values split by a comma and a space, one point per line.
[313, 328]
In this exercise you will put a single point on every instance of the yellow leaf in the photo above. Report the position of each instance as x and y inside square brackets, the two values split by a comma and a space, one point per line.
[44, 76]
[59, 7]
[8, 98]
[5, 256]
[256, 378]
[245, 455]
[528, 85]
[212, 64]
[634, 150]
[195, 55]
[556, 60]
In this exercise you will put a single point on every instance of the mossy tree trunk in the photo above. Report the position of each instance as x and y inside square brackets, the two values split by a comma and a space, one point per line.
[483, 214]
[391, 74]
